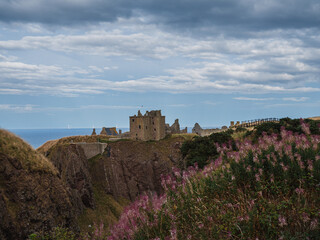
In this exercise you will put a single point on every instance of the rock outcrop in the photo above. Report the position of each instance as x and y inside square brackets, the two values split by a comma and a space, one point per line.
[38, 193]
[72, 164]
[33, 198]
[127, 169]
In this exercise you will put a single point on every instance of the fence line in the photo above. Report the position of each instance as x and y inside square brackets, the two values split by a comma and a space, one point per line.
[255, 122]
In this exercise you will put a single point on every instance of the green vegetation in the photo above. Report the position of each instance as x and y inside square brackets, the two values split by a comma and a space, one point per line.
[202, 150]
[30, 159]
[263, 190]
[58, 233]
[259, 184]
[107, 209]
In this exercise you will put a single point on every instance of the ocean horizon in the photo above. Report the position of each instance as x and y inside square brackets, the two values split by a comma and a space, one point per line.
[37, 137]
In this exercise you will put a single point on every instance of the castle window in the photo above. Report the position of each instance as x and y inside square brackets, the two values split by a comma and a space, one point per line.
[155, 129]
[139, 126]
[132, 120]
[146, 127]
[153, 123]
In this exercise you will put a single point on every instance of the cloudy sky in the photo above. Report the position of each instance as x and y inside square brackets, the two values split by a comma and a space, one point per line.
[87, 63]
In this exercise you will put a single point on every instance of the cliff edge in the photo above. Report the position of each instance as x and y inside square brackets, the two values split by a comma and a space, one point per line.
[33, 198]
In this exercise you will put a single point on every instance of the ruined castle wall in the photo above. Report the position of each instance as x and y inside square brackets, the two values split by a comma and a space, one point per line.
[137, 124]
[92, 149]
[158, 127]
[151, 126]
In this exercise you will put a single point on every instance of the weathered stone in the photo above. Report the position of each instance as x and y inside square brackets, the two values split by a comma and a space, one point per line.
[175, 127]
[130, 168]
[72, 164]
[150, 126]
[94, 132]
[196, 129]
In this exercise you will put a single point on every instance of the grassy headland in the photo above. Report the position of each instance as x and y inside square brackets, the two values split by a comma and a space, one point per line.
[266, 186]
[30, 159]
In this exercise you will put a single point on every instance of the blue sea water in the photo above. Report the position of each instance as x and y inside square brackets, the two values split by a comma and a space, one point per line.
[37, 137]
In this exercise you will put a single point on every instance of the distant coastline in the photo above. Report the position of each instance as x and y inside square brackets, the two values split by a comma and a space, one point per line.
[37, 137]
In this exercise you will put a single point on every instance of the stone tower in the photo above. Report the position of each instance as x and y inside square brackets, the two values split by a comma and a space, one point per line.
[150, 126]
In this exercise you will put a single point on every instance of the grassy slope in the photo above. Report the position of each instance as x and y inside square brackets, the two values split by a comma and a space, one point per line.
[16, 148]
[72, 139]
[107, 209]
[265, 191]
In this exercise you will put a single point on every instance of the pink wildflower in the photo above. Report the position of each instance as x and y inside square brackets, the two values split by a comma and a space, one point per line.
[305, 128]
[272, 178]
[305, 217]
[173, 233]
[282, 221]
[257, 177]
[310, 165]
[314, 224]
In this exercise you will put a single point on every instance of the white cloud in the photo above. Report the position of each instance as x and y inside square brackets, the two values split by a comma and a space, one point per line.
[252, 99]
[207, 77]
[257, 65]
[296, 99]
[17, 108]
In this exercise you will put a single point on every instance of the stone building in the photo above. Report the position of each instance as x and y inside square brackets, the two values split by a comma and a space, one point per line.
[175, 128]
[150, 126]
[206, 132]
[109, 131]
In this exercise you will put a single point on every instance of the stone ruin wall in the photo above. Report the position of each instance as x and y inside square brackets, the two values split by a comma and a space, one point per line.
[150, 126]
[92, 149]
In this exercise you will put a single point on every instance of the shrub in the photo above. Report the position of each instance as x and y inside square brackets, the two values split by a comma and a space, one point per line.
[264, 190]
[57, 233]
[201, 150]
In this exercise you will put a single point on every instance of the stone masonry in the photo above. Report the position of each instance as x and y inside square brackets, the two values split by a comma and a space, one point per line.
[150, 126]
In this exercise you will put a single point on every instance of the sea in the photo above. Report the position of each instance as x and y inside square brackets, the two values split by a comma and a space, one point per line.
[37, 137]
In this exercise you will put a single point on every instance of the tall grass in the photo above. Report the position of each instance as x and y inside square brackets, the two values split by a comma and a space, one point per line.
[265, 190]
[30, 159]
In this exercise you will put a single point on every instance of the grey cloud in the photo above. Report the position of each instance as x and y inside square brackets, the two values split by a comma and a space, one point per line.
[61, 12]
[203, 77]
[181, 14]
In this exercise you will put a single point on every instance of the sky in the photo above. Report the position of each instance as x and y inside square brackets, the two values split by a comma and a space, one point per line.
[94, 63]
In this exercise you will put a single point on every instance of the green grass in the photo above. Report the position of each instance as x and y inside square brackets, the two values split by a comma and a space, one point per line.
[30, 160]
[107, 210]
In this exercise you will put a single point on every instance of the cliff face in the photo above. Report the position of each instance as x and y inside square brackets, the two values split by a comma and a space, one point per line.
[32, 196]
[127, 169]
[65, 189]
[72, 164]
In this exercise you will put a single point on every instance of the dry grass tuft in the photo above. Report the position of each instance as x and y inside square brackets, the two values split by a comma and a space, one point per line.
[315, 118]
[14, 147]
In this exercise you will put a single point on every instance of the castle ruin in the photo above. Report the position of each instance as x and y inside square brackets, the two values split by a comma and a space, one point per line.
[150, 126]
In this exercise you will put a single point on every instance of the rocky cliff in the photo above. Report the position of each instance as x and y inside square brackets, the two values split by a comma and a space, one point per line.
[66, 189]
[72, 164]
[129, 168]
[33, 197]
[102, 185]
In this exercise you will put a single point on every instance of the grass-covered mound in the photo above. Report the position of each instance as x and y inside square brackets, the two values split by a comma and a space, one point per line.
[30, 159]
[266, 189]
